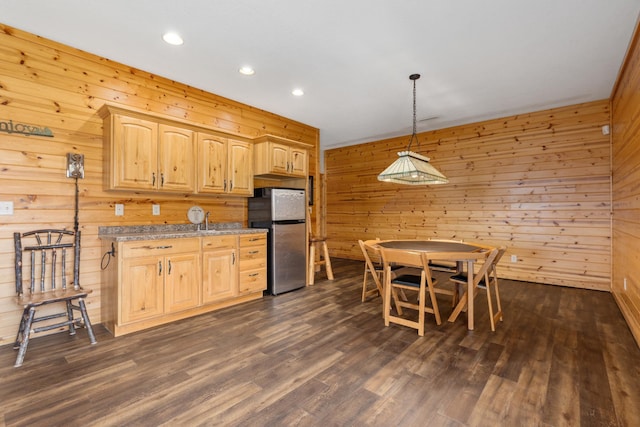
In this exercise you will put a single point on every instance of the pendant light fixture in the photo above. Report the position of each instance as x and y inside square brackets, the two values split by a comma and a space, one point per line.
[412, 168]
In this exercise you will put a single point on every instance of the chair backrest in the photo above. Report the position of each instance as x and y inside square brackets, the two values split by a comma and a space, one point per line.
[371, 253]
[487, 266]
[401, 257]
[407, 258]
[51, 260]
[496, 260]
[501, 251]
[367, 256]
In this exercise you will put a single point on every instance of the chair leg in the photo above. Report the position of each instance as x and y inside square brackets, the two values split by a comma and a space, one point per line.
[421, 303]
[394, 293]
[380, 280]
[490, 304]
[327, 261]
[364, 283]
[72, 325]
[26, 332]
[498, 301]
[312, 263]
[87, 322]
[20, 334]
[386, 301]
[456, 295]
[498, 314]
[434, 305]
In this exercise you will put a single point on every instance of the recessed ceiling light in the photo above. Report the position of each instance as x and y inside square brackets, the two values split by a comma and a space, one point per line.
[297, 92]
[172, 38]
[247, 71]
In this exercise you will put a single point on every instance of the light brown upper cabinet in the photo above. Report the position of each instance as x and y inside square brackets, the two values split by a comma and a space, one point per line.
[280, 157]
[175, 159]
[142, 154]
[133, 149]
[225, 166]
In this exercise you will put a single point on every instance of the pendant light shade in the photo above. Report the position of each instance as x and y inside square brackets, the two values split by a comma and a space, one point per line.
[412, 168]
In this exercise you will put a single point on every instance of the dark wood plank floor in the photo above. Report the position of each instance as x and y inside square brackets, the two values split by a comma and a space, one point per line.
[318, 356]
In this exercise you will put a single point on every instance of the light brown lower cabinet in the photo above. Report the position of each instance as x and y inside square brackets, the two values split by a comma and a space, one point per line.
[253, 263]
[182, 282]
[220, 272]
[153, 282]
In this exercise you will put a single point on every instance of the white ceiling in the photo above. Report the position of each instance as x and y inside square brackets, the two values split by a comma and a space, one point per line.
[478, 59]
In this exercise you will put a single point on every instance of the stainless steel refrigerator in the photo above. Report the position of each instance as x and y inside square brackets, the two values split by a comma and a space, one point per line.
[283, 212]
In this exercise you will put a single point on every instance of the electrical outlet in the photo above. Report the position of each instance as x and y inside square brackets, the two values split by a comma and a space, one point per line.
[514, 258]
[6, 208]
[119, 209]
[155, 209]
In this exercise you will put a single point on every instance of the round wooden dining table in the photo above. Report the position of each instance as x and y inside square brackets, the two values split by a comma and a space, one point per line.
[460, 252]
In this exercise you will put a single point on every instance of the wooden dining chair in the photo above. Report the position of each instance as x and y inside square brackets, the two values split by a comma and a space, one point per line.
[51, 270]
[486, 278]
[374, 268]
[421, 284]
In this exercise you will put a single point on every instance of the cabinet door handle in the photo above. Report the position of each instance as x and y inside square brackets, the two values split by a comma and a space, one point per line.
[253, 252]
[233, 258]
[224, 186]
[154, 247]
[169, 272]
[254, 274]
[254, 239]
[159, 268]
[230, 185]
[153, 178]
[162, 180]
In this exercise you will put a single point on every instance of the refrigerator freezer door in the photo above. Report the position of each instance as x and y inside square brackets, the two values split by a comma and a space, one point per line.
[288, 258]
[288, 205]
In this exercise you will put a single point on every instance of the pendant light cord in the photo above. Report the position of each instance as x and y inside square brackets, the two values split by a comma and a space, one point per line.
[413, 77]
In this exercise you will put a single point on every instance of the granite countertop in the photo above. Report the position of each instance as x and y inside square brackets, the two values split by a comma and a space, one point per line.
[172, 231]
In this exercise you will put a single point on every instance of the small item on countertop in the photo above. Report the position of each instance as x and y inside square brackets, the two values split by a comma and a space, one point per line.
[195, 215]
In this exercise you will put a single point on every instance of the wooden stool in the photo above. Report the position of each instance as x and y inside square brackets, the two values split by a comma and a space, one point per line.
[325, 260]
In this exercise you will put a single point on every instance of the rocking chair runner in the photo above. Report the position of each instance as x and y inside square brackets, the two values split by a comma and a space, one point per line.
[47, 279]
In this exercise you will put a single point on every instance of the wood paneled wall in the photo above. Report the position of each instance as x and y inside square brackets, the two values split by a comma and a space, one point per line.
[625, 137]
[538, 183]
[51, 85]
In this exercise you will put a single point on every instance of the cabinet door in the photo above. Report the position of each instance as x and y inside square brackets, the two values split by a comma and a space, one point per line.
[212, 164]
[240, 168]
[182, 282]
[279, 158]
[134, 153]
[299, 162]
[176, 159]
[219, 276]
[141, 295]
